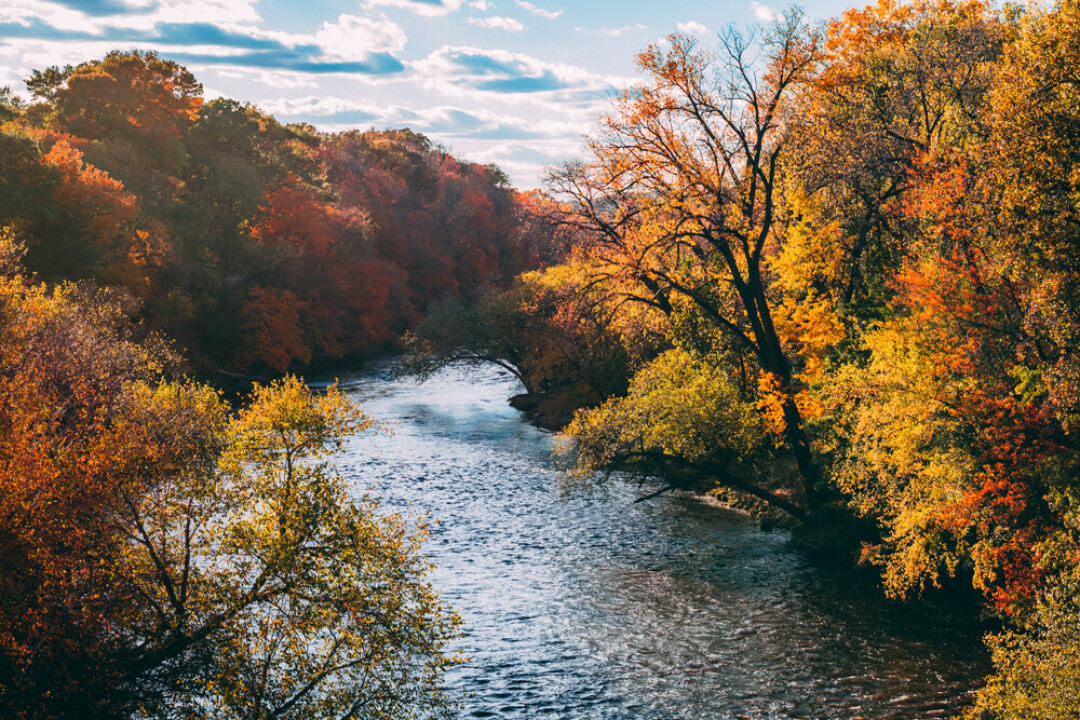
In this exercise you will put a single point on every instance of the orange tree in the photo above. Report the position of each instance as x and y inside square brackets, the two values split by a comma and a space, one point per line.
[681, 201]
[137, 96]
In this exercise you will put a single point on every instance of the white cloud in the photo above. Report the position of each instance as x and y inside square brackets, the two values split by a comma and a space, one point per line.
[692, 27]
[526, 163]
[763, 12]
[354, 37]
[550, 15]
[286, 80]
[502, 71]
[501, 23]
[215, 12]
[11, 78]
[22, 12]
[619, 31]
[313, 105]
[420, 7]
[481, 5]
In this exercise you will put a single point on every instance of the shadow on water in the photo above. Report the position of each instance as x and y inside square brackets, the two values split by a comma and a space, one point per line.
[586, 605]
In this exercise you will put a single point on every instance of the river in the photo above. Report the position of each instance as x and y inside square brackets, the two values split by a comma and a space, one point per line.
[587, 606]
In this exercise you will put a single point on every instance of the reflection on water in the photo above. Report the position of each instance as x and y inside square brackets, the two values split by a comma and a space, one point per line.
[589, 606]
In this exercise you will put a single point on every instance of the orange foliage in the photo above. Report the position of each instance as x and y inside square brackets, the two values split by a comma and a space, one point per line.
[128, 92]
[967, 317]
[273, 318]
[100, 202]
[65, 461]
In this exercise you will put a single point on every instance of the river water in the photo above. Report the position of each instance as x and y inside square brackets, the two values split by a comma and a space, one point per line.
[587, 606]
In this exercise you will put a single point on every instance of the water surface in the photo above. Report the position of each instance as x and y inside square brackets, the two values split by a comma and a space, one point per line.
[588, 606]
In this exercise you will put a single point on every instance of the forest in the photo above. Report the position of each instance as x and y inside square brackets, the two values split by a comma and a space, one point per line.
[828, 273]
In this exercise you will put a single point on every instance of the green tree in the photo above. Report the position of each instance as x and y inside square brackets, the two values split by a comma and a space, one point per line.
[685, 420]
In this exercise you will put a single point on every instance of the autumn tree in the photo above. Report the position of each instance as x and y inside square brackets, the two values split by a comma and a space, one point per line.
[1033, 177]
[1037, 666]
[26, 183]
[680, 203]
[899, 83]
[683, 419]
[137, 97]
[958, 431]
[1027, 175]
[262, 589]
[66, 361]
[449, 225]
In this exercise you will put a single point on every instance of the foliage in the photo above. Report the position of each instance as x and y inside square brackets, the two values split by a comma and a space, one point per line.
[678, 405]
[258, 247]
[856, 240]
[897, 80]
[158, 557]
[67, 366]
[301, 601]
[1037, 671]
[135, 96]
[682, 419]
[680, 205]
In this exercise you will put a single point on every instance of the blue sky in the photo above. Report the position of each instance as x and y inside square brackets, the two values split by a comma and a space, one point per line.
[513, 82]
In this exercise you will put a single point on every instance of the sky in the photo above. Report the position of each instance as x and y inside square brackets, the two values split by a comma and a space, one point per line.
[512, 82]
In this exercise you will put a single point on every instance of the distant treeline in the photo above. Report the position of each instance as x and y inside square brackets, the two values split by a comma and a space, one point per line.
[256, 246]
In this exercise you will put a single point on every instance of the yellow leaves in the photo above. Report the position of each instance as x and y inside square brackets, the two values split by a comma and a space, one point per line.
[810, 329]
[903, 459]
[815, 247]
[678, 405]
[288, 411]
[589, 291]
[1037, 671]
[771, 396]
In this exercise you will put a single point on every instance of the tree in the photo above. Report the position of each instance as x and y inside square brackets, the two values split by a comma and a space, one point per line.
[66, 362]
[11, 105]
[680, 204]
[1037, 669]
[1032, 180]
[286, 597]
[137, 96]
[898, 82]
[682, 419]
[947, 443]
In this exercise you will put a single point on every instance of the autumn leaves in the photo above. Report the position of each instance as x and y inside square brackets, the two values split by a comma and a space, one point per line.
[161, 554]
[257, 247]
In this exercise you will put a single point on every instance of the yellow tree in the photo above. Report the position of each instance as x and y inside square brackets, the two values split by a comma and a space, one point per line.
[259, 588]
[681, 199]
